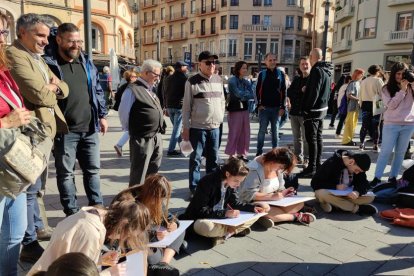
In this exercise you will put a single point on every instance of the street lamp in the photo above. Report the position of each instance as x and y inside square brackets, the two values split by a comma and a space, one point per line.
[326, 27]
[259, 59]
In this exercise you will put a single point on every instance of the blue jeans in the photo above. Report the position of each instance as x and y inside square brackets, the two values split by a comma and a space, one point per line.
[393, 137]
[266, 116]
[85, 148]
[177, 121]
[207, 141]
[13, 222]
[34, 221]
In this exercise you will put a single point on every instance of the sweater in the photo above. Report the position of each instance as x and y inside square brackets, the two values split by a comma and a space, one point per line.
[370, 87]
[400, 108]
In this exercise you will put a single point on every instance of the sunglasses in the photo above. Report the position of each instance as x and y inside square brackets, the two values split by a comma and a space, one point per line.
[4, 32]
[210, 62]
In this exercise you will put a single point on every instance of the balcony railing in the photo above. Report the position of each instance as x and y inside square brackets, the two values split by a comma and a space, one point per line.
[341, 46]
[399, 2]
[206, 32]
[262, 28]
[149, 22]
[398, 37]
[148, 4]
[296, 32]
[207, 10]
[176, 36]
[176, 16]
[149, 40]
[344, 13]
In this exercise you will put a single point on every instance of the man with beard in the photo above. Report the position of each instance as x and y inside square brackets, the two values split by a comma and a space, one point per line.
[84, 110]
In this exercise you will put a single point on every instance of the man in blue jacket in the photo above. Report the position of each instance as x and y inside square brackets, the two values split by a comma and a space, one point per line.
[85, 113]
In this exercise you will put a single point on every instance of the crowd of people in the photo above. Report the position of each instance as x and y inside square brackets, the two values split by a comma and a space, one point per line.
[61, 86]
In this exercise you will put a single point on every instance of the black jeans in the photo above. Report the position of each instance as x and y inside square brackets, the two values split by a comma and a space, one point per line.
[313, 134]
[367, 123]
[340, 125]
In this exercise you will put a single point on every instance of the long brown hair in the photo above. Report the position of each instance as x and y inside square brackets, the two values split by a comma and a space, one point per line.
[4, 63]
[129, 220]
[155, 189]
[282, 156]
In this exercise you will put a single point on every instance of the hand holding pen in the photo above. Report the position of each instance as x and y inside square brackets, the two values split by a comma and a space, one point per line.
[231, 213]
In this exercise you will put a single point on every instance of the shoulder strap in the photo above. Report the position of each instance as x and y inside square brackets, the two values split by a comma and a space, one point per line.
[7, 100]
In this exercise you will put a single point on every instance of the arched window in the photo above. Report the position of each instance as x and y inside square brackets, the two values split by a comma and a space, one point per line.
[11, 26]
[97, 38]
[129, 47]
[121, 42]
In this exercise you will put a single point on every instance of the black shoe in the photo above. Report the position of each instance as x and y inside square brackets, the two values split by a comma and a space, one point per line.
[243, 233]
[307, 173]
[174, 153]
[352, 143]
[367, 210]
[258, 154]
[374, 182]
[162, 269]
[191, 195]
[392, 180]
[31, 252]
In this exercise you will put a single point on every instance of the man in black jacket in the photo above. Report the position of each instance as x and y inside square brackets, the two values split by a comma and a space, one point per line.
[174, 87]
[344, 172]
[294, 103]
[314, 107]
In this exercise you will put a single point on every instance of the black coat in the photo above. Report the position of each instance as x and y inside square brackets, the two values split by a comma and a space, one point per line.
[173, 90]
[295, 95]
[208, 194]
[329, 174]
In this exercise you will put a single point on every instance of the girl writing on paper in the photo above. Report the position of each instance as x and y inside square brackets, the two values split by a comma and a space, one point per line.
[155, 194]
[123, 222]
[265, 182]
[216, 198]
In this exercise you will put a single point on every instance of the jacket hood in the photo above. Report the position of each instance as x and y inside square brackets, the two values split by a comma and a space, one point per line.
[325, 66]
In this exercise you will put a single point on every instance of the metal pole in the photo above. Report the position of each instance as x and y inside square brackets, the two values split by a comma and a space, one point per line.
[259, 59]
[87, 27]
[158, 45]
[325, 31]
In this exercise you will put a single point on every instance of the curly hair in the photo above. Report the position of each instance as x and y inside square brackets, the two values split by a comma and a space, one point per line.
[282, 156]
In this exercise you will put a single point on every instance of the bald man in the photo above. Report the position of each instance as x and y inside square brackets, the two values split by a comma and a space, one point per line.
[315, 106]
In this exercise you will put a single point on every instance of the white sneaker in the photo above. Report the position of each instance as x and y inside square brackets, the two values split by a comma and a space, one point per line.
[338, 136]
[203, 162]
[326, 207]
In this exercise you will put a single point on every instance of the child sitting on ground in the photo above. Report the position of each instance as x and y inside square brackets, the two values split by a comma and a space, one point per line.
[75, 263]
[345, 170]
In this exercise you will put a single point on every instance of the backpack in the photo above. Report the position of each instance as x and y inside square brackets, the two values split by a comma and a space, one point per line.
[343, 106]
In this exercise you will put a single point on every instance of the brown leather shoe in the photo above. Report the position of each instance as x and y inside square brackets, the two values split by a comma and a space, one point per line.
[44, 234]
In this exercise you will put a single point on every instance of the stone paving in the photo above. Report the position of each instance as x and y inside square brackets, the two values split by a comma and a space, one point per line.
[336, 244]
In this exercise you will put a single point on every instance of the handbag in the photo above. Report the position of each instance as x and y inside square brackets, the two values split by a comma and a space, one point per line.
[378, 105]
[25, 153]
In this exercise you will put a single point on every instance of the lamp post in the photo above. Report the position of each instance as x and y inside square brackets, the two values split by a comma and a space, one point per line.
[87, 27]
[158, 45]
[325, 31]
[259, 59]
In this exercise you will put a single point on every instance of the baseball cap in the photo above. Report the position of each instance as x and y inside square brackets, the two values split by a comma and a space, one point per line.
[180, 63]
[206, 55]
[361, 159]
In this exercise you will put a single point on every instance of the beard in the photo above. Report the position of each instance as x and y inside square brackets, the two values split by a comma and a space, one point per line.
[72, 53]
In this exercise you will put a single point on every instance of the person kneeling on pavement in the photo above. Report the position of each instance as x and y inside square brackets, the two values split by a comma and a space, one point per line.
[345, 170]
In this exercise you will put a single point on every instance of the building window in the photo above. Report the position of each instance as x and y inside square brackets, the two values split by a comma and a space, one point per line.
[224, 3]
[274, 46]
[153, 16]
[267, 2]
[267, 20]
[300, 23]
[192, 24]
[292, 2]
[182, 9]
[213, 25]
[203, 27]
[154, 55]
[289, 24]
[257, 3]
[370, 27]
[192, 6]
[203, 6]
[162, 31]
[212, 47]
[360, 29]
[97, 38]
[308, 46]
[182, 30]
[145, 18]
[223, 22]
[255, 19]
[213, 5]
[261, 44]
[248, 48]
[202, 46]
[288, 50]
[232, 48]
[234, 2]
[404, 21]
[234, 22]
[162, 13]
[170, 35]
[222, 47]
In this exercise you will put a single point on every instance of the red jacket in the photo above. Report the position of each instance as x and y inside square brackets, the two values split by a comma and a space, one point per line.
[7, 81]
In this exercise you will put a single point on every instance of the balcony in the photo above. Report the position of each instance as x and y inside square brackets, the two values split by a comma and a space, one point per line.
[206, 32]
[169, 1]
[148, 4]
[296, 32]
[149, 23]
[344, 13]
[176, 16]
[296, 7]
[149, 40]
[176, 36]
[341, 46]
[207, 10]
[289, 58]
[261, 28]
[399, 2]
[399, 37]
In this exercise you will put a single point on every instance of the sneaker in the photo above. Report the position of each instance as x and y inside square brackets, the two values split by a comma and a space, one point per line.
[351, 143]
[174, 153]
[266, 222]
[393, 180]
[326, 207]
[218, 240]
[367, 210]
[305, 218]
[244, 233]
[44, 234]
[362, 147]
[203, 162]
[375, 148]
[118, 150]
[305, 163]
[162, 268]
[331, 127]
[338, 136]
[31, 252]
[374, 182]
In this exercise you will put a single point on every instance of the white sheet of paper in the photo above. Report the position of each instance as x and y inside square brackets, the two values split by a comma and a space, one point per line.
[244, 217]
[135, 264]
[287, 201]
[171, 237]
[346, 192]
[406, 194]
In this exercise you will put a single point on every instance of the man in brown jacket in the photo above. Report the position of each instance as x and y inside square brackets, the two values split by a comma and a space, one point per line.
[40, 89]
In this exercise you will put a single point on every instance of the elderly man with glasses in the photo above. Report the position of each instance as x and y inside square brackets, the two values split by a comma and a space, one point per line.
[141, 114]
[203, 112]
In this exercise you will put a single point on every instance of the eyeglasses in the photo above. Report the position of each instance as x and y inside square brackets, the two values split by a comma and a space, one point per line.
[79, 42]
[4, 32]
[210, 62]
[155, 74]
